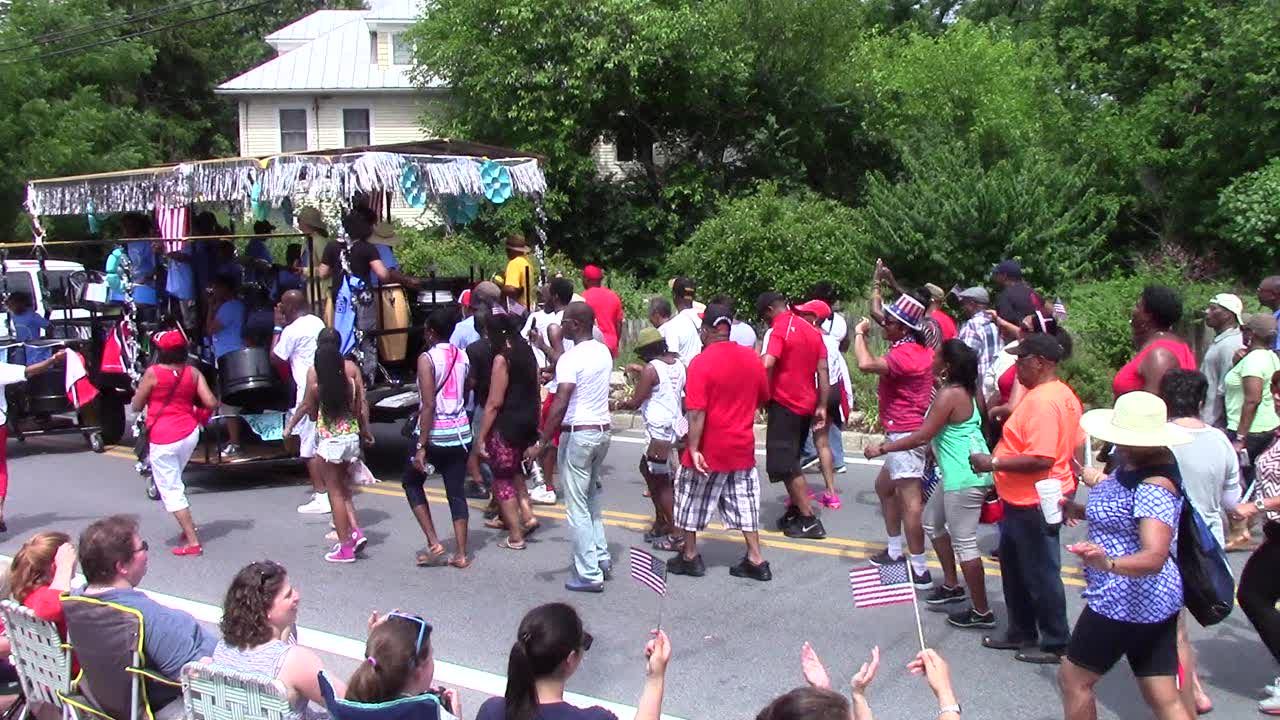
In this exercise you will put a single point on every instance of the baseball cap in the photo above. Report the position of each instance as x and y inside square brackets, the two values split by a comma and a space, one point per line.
[1012, 268]
[976, 294]
[465, 298]
[683, 287]
[592, 272]
[934, 291]
[1038, 345]
[170, 340]
[1229, 302]
[817, 308]
[717, 315]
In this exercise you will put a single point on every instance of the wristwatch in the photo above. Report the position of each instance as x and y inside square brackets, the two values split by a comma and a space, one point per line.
[1260, 504]
[948, 708]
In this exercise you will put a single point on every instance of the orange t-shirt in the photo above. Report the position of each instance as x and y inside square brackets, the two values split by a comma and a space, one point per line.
[1046, 424]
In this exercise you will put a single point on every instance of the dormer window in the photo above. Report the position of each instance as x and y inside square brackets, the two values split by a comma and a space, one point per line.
[401, 49]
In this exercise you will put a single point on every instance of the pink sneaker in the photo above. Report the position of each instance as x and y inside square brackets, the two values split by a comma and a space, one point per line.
[830, 500]
[810, 491]
[342, 553]
[359, 539]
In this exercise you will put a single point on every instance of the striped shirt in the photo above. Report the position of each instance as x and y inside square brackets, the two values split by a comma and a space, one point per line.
[983, 337]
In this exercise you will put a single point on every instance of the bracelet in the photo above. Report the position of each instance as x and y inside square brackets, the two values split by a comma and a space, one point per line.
[277, 329]
[995, 464]
[948, 708]
[1111, 565]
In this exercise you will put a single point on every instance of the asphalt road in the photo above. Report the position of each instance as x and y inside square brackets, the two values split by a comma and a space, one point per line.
[736, 641]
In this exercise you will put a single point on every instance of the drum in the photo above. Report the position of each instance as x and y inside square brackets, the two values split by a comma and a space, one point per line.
[393, 314]
[246, 375]
[47, 392]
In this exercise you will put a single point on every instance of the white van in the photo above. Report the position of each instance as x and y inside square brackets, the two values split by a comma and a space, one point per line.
[62, 278]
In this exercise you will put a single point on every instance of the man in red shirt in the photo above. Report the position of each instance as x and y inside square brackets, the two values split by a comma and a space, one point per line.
[946, 325]
[726, 383]
[794, 354]
[606, 303]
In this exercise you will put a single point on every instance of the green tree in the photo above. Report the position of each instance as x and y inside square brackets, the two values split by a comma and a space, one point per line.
[1250, 209]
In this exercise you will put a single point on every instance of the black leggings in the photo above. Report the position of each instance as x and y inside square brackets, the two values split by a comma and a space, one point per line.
[451, 462]
[1260, 588]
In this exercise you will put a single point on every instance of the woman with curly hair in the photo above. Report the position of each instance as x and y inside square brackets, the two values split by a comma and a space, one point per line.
[258, 617]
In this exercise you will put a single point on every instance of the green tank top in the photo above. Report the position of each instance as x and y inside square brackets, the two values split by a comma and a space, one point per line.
[951, 448]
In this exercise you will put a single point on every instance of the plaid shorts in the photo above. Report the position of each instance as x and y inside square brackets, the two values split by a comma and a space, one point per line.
[735, 494]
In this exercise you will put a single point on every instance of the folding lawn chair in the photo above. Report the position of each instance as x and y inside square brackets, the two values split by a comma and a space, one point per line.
[421, 707]
[213, 693]
[42, 658]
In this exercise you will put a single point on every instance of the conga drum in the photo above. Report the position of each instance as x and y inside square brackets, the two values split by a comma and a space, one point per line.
[393, 314]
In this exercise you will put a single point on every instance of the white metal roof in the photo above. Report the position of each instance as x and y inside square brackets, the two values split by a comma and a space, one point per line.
[390, 10]
[314, 25]
[338, 60]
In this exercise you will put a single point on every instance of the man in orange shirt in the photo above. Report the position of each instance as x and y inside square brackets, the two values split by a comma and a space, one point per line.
[1039, 441]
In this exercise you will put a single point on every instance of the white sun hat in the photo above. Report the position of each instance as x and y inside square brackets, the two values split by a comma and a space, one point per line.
[1139, 419]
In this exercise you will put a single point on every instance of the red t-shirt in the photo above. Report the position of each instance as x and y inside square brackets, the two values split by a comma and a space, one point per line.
[728, 382]
[171, 407]
[608, 308]
[46, 603]
[945, 324]
[798, 348]
[904, 391]
[1129, 378]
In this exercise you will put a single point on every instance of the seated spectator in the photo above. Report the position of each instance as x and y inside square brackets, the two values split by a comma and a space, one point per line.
[820, 702]
[398, 663]
[258, 618]
[549, 647]
[114, 560]
[39, 576]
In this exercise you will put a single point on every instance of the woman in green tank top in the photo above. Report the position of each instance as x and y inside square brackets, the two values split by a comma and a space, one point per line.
[953, 427]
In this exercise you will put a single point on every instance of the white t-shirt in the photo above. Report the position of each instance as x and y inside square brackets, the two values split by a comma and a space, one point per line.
[743, 334]
[589, 367]
[837, 368]
[836, 327]
[1210, 470]
[9, 374]
[297, 346]
[663, 406]
[542, 320]
[681, 334]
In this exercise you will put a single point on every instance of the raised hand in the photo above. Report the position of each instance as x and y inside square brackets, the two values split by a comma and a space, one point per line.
[815, 673]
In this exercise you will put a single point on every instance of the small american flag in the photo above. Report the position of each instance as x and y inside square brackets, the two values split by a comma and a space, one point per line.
[649, 571]
[886, 585]
[172, 223]
[1059, 309]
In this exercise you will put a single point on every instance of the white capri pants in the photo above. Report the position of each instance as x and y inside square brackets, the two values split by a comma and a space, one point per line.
[956, 512]
[167, 464]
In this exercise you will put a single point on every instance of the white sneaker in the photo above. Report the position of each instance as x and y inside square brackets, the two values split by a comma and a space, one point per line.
[230, 451]
[540, 495]
[319, 505]
[1273, 688]
[1270, 706]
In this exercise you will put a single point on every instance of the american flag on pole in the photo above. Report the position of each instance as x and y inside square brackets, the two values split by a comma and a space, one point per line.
[1059, 309]
[885, 585]
[172, 223]
[649, 571]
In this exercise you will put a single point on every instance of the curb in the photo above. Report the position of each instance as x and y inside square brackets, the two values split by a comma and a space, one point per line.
[853, 441]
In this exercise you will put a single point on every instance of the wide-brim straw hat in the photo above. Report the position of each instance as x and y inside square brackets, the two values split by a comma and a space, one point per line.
[1139, 419]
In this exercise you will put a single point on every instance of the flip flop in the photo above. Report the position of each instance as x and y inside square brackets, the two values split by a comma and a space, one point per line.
[530, 529]
[669, 543]
[506, 545]
[495, 524]
[429, 556]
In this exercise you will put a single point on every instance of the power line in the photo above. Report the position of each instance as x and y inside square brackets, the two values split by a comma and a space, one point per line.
[59, 36]
[140, 33]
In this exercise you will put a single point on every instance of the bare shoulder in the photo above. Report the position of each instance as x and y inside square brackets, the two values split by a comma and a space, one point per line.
[1162, 482]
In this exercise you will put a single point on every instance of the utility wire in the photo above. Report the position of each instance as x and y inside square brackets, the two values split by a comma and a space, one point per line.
[77, 31]
[140, 33]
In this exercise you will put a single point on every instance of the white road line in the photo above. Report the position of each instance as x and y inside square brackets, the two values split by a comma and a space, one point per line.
[847, 459]
[446, 672]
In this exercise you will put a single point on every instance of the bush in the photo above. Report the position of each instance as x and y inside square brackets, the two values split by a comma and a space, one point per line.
[1250, 211]
[774, 240]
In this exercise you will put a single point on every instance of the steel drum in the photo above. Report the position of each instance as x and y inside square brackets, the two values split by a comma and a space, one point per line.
[246, 376]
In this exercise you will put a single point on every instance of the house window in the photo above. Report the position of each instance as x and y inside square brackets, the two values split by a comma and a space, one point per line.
[293, 130]
[401, 50]
[355, 127]
[633, 145]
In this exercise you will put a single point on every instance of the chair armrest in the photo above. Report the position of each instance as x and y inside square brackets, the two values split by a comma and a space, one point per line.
[148, 674]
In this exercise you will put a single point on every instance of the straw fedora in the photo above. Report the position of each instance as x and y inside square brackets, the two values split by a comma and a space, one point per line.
[309, 217]
[385, 234]
[1139, 419]
[517, 243]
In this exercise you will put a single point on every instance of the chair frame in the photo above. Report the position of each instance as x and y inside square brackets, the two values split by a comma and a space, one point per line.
[33, 643]
[136, 668]
[233, 695]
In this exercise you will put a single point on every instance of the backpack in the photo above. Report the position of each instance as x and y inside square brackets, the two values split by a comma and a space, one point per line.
[1208, 587]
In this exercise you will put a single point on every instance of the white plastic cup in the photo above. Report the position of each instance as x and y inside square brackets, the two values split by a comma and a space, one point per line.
[1050, 492]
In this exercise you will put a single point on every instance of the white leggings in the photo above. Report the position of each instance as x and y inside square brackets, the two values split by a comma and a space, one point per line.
[956, 512]
[167, 464]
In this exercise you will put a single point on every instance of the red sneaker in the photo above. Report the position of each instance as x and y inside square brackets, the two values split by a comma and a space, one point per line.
[187, 550]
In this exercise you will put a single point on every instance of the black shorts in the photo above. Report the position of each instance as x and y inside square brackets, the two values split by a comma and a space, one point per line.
[784, 439]
[1098, 643]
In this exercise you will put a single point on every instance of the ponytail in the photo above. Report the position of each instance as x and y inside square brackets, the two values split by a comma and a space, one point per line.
[522, 694]
[548, 635]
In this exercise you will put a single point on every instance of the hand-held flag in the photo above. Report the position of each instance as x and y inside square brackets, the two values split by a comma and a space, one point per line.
[885, 585]
[649, 571]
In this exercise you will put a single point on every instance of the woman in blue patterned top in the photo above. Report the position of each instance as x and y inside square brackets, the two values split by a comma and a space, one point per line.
[1134, 589]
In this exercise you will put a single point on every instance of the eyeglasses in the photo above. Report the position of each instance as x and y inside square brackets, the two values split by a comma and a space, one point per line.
[424, 627]
[145, 547]
[586, 641]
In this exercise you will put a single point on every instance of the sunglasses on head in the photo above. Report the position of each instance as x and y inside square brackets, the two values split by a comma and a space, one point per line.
[424, 627]
[586, 641]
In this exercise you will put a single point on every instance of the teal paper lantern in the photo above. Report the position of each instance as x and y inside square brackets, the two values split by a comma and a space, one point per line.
[495, 180]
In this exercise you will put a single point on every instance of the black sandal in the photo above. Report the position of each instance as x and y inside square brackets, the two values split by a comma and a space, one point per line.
[670, 543]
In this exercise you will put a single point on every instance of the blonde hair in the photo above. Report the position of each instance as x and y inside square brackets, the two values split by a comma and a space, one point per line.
[33, 563]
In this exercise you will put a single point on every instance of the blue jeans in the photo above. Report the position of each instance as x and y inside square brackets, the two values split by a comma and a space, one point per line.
[581, 460]
[1031, 572]
[836, 437]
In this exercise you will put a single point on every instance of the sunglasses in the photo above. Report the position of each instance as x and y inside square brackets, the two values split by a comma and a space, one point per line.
[144, 547]
[586, 641]
[424, 628]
